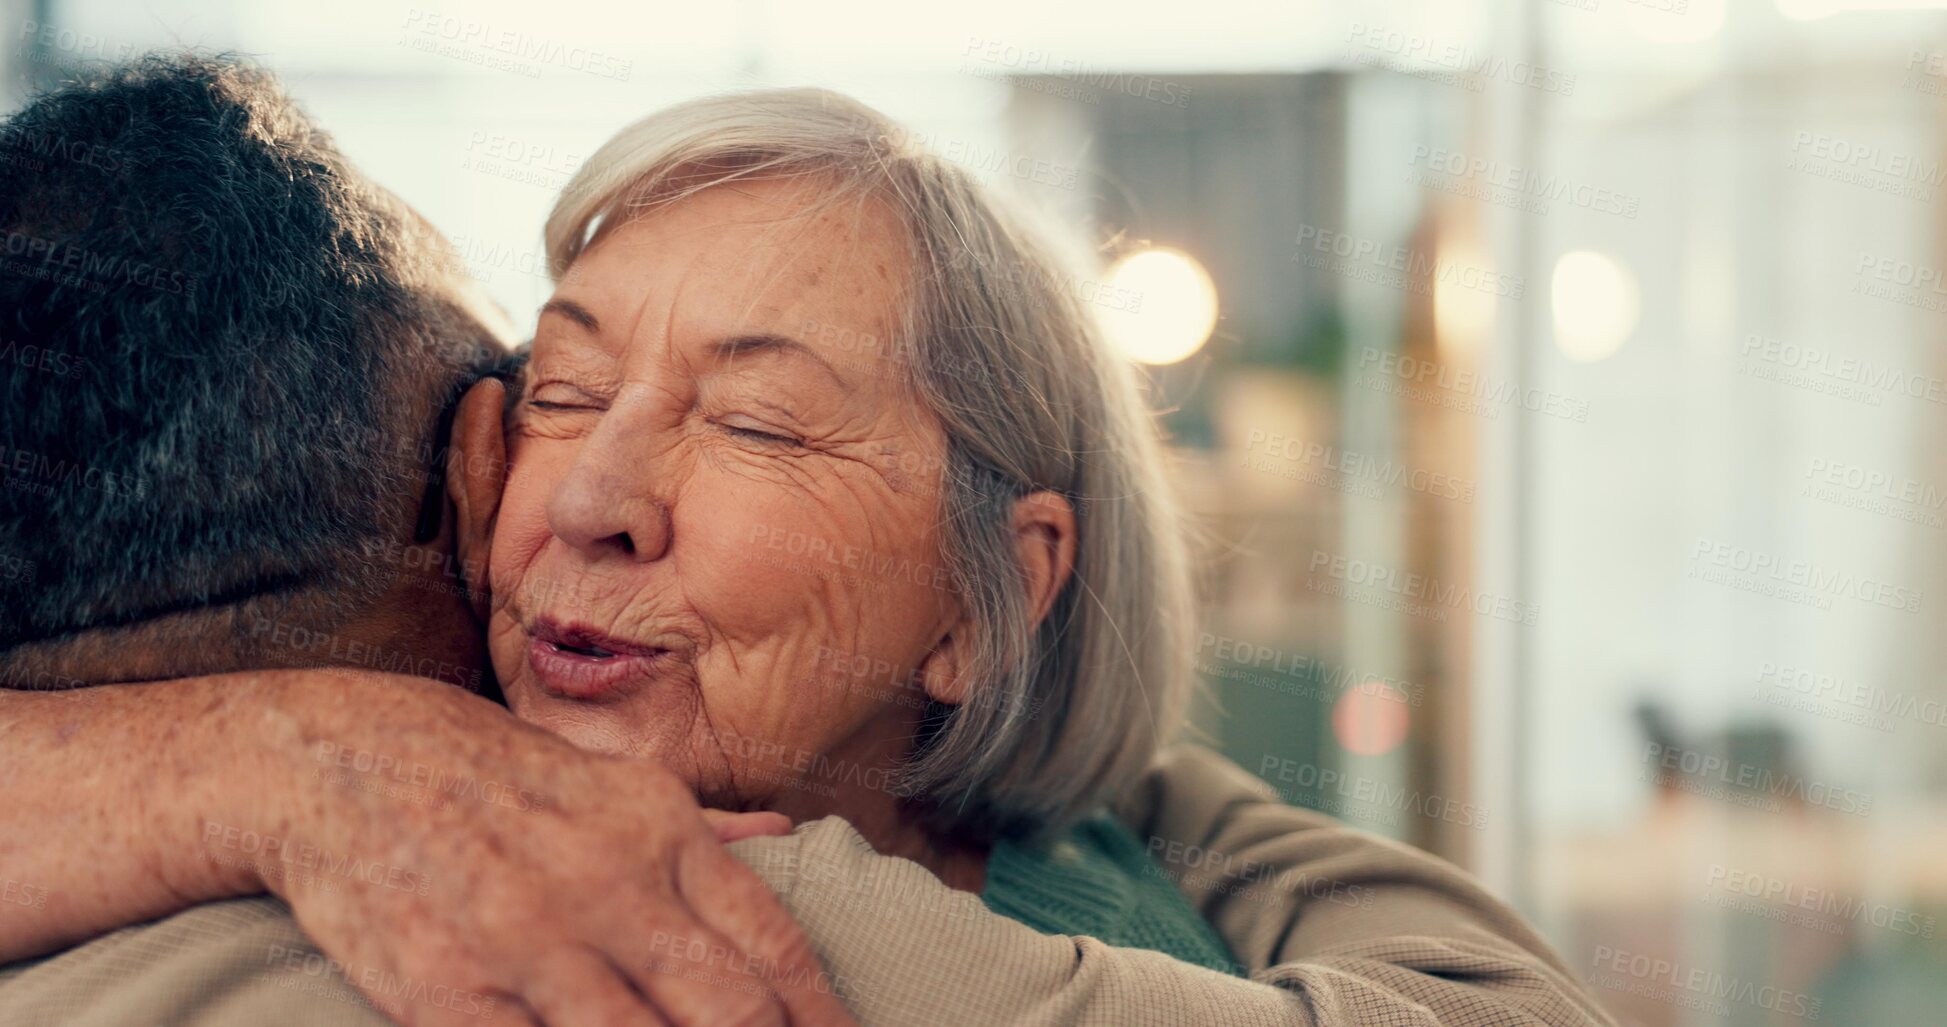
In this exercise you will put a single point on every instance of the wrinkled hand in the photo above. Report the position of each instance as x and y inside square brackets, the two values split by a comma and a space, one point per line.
[460, 864]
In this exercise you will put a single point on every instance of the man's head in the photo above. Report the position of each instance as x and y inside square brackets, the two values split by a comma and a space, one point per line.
[223, 359]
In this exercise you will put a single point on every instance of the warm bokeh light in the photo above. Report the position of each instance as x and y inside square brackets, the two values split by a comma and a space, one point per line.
[1462, 317]
[1372, 719]
[1172, 307]
[1595, 305]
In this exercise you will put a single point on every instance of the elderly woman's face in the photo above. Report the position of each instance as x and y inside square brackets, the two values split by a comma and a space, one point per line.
[720, 494]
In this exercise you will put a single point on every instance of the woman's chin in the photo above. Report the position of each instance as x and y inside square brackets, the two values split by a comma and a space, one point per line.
[586, 728]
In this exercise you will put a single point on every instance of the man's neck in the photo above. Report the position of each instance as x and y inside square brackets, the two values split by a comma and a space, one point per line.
[421, 624]
[190, 643]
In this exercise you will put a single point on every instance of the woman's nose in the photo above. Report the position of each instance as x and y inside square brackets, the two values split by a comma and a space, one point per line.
[608, 504]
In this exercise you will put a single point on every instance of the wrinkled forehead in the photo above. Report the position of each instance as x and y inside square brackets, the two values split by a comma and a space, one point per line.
[786, 257]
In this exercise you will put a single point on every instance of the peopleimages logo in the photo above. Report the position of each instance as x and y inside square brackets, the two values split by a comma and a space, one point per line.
[1835, 373]
[30, 471]
[420, 775]
[1702, 772]
[47, 144]
[1421, 588]
[1875, 482]
[1875, 492]
[1332, 678]
[40, 358]
[1824, 902]
[1487, 394]
[1526, 181]
[816, 552]
[79, 46]
[372, 981]
[1410, 52]
[1860, 695]
[1650, 970]
[1355, 795]
[16, 893]
[1905, 282]
[1021, 60]
[281, 858]
[1230, 874]
[512, 45]
[1901, 272]
[72, 262]
[1406, 266]
[1796, 580]
[1354, 466]
[1868, 157]
[341, 649]
[989, 159]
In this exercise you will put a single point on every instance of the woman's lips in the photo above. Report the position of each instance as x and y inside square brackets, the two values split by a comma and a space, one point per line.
[592, 674]
[575, 661]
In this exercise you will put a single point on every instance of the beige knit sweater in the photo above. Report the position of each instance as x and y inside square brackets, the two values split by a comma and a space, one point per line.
[1335, 927]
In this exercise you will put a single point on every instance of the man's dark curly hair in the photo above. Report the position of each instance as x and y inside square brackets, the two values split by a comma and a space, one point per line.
[223, 352]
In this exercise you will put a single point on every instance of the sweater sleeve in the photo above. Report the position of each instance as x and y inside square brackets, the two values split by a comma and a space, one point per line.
[901, 947]
[1337, 928]
[1369, 931]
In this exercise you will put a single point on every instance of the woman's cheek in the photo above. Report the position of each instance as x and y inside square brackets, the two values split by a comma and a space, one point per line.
[521, 527]
[730, 569]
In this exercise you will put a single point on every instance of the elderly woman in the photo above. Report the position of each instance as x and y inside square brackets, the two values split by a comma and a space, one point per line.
[782, 425]
[823, 492]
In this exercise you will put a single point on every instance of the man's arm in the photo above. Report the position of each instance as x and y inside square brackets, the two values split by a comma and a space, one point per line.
[901, 945]
[105, 796]
[413, 827]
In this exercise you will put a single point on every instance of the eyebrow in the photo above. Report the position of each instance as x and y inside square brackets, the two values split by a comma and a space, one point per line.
[766, 343]
[730, 348]
[572, 311]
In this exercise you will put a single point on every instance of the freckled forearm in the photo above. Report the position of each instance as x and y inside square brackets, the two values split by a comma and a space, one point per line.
[124, 803]
[108, 790]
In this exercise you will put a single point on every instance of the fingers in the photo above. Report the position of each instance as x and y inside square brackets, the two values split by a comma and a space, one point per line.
[578, 987]
[733, 901]
[732, 827]
[696, 977]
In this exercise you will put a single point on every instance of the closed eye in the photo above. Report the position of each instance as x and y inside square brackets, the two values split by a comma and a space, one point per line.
[769, 438]
[561, 395]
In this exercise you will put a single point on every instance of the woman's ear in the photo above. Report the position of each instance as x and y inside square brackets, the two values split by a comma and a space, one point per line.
[944, 671]
[476, 470]
[1044, 546]
[1044, 549]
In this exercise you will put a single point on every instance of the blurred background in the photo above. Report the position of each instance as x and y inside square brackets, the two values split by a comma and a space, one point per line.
[1562, 385]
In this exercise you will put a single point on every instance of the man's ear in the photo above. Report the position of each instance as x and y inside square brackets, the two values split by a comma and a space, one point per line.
[476, 469]
[1044, 550]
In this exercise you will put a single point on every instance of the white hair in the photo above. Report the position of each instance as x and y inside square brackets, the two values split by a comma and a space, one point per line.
[1063, 715]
